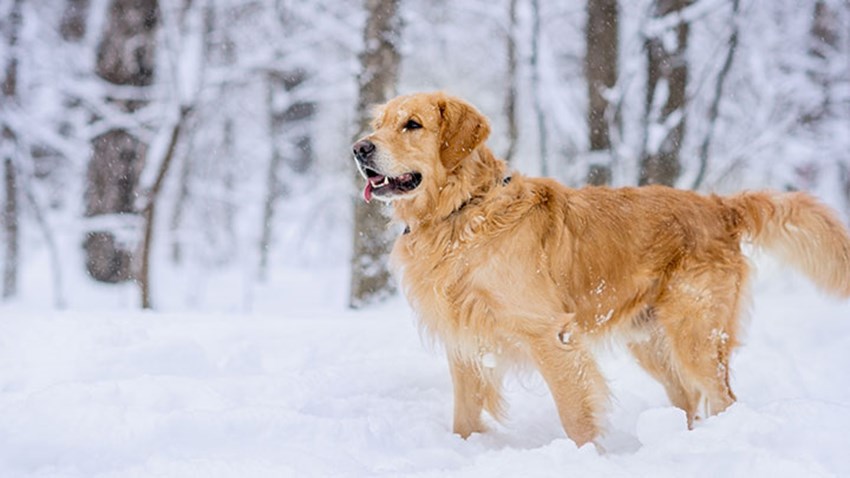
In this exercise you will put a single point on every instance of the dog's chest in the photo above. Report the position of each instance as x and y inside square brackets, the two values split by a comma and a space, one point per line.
[469, 286]
[444, 277]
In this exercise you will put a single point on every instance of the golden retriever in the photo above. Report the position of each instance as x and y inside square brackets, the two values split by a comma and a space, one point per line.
[507, 269]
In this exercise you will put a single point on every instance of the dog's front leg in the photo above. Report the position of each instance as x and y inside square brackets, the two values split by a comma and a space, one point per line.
[469, 395]
[576, 384]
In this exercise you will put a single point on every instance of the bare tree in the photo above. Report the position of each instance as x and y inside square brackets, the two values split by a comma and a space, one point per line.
[667, 81]
[824, 37]
[539, 112]
[219, 50]
[190, 32]
[828, 29]
[10, 222]
[292, 144]
[511, 97]
[125, 57]
[291, 113]
[379, 62]
[600, 69]
[714, 108]
[149, 211]
[10, 175]
[844, 178]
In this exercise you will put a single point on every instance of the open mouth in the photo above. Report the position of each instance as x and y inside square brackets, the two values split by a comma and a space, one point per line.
[383, 186]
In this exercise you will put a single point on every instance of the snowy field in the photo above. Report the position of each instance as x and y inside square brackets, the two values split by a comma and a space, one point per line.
[303, 387]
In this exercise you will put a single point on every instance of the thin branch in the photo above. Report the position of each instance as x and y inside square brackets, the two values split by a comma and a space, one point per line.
[689, 14]
[714, 109]
[150, 209]
[52, 249]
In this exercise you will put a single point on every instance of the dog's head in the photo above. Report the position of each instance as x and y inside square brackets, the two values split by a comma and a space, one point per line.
[418, 140]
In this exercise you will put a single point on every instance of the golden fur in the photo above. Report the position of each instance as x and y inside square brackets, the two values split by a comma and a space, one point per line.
[529, 271]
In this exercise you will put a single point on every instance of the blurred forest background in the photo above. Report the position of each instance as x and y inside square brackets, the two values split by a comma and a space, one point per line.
[183, 153]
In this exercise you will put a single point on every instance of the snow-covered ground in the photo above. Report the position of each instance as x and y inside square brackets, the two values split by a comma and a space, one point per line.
[303, 387]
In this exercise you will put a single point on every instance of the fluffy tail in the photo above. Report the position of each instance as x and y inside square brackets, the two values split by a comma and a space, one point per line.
[800, 231]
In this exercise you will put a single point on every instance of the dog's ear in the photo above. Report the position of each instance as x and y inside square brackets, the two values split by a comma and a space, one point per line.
[462, 130]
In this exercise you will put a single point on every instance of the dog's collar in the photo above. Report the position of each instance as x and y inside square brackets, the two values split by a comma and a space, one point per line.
[505, 181]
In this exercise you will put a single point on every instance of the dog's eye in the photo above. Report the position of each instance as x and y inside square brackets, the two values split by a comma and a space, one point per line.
[412, 124]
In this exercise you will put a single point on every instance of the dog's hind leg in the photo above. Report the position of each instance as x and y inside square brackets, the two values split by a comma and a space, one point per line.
[700, 322]
[579, 389]
[655, 356]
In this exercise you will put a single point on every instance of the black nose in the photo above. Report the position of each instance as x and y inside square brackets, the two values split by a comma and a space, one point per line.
[364, 149]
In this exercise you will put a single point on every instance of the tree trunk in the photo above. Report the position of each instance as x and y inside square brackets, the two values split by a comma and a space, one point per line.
[370, 277]
[113, 177]
[599, 175]
[824, 37]
[600, 69]
[218, 49]
[844, 172]
[73, 26]
[667, 72]
[714, 109]
[274, 188]
[125, 56]
[824, 45]
[539, 112]
[10, 222]
[10, 177]
[511, 98]
[291, 144]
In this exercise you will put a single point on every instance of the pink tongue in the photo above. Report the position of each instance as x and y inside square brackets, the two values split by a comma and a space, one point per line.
[367, 192]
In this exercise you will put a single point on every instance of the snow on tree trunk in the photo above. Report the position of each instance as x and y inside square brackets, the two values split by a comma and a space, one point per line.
[125, 57]
[379, 63]
[10, 223]
[600, 69]
[73, 26]
[539, 108]
[665, 103]
[8, 137]
[512, 80]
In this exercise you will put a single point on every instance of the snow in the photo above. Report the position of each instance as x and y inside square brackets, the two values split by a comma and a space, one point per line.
[304, 387]
[489, 360]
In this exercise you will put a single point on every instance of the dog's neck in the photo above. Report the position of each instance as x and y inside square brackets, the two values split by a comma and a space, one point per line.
[473, 177]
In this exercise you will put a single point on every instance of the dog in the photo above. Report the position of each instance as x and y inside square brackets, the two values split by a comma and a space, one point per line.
[507, 270]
